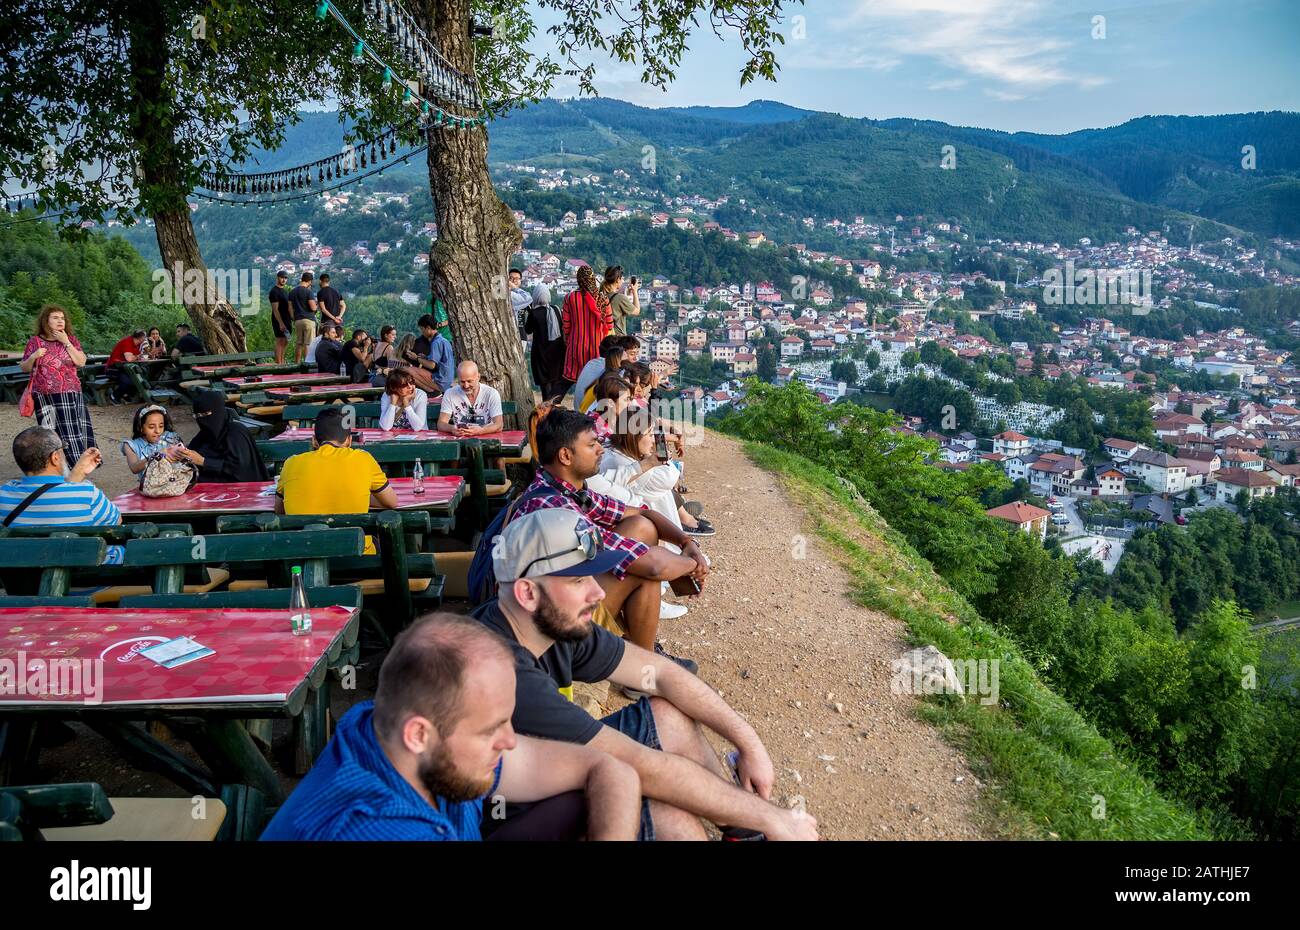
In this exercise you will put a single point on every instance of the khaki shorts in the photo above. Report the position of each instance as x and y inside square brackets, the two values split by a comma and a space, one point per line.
[604, 618]
[304, 331]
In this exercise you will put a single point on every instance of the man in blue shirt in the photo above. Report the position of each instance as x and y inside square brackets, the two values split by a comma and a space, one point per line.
[51, 494]
[441, 360]
[418, 762]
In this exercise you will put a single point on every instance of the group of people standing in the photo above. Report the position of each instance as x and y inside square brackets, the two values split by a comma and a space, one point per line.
[566, 339]
[296, 312]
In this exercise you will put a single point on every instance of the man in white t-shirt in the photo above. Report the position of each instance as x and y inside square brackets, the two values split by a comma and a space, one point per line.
[469, 407]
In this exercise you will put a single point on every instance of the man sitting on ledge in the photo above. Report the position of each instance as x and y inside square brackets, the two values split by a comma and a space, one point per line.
[570, 453]
[418, 762]
[547, 595]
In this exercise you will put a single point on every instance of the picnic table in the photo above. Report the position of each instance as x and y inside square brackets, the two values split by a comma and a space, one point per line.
[506, 442]
[258, 670]
[282, 380]
[321, 392]
[442, 494]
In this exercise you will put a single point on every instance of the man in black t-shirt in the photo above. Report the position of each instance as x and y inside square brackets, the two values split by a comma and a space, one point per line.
[186, 342]
[303, 302]
[280, 318]
[331, 303]
[547, 597]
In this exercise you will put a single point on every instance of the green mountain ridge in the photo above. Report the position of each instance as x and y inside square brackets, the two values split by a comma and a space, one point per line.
[1157, 172]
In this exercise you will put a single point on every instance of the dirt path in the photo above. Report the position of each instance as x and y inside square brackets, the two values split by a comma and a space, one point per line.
[810, 669]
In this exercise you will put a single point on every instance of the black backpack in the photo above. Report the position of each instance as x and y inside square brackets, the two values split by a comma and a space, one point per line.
[481, 582]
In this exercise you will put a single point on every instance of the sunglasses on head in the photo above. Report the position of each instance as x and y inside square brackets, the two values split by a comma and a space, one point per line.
[587, 544]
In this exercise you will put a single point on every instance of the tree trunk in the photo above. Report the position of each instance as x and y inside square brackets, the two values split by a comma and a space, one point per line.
[159, 174]
[216, 322]
[477, 233]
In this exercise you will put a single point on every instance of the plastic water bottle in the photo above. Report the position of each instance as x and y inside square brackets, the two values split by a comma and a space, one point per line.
[299, 609]
[417, 478]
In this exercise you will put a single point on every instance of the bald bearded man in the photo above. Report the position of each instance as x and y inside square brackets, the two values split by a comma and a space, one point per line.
[469, 407]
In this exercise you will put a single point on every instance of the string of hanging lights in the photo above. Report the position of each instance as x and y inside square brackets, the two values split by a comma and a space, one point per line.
[434, 78]
[303, 177]
[435, 72]
[15, 205]
[19, 202]
[249, 196]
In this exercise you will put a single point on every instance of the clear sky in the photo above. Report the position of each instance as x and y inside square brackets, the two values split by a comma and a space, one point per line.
[1002, 64]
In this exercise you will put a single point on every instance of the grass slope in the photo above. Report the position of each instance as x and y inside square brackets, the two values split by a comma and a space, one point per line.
[1047, 770]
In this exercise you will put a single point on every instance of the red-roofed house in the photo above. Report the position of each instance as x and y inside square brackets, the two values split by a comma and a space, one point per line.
[1011, 443]
[1229, 482]
[1120, 449]
[1031, 519]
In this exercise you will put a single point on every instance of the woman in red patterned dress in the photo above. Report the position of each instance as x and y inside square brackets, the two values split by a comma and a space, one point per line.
[587, 320]
[53, 356]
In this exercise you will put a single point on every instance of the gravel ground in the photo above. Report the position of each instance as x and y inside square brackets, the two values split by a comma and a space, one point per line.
[780, 639]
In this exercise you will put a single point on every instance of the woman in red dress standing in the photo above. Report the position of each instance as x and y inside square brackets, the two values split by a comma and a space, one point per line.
[587, 320]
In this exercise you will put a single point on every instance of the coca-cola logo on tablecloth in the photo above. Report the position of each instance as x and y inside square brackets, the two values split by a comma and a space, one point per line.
[127, 649]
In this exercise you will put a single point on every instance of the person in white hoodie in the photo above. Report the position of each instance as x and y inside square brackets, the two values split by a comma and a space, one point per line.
[630, 461]
[630, 468]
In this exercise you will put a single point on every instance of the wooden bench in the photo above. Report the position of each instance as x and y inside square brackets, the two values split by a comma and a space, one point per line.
[13, 381]
[340, 595]
[240, 358]
[311, 547]
[96, 383]
[100, 585]
[258, 428]
[81, 811]
[366, 413]
[396, 458]
[407, 579]
[116, 534]
[54, 556]
[146, 391]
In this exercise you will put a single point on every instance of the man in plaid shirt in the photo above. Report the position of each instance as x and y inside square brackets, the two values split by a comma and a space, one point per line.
[570, 453]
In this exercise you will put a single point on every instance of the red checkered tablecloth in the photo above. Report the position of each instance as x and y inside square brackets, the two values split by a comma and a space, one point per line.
[256, 660]
[259, 497]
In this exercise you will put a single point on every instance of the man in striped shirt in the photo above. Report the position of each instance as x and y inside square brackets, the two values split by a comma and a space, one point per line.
[66, 497]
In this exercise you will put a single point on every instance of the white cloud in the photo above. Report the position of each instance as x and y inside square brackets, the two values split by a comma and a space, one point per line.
[805, 55]
[1006, 42]
[950, 84]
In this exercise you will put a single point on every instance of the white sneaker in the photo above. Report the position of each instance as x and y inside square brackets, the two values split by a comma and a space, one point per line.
[670, 611]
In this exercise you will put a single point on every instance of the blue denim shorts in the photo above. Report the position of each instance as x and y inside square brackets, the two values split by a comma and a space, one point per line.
[637, 722]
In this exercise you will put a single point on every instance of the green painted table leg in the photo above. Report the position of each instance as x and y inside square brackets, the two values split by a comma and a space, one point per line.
[309, 730]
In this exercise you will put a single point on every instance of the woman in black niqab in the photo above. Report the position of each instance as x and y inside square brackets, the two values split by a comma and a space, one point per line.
[224, 450]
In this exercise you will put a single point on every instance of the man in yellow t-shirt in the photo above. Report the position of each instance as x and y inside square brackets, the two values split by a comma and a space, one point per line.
[333, 477]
